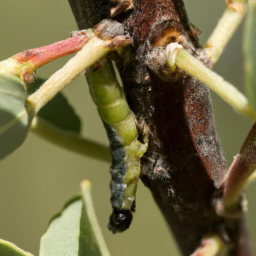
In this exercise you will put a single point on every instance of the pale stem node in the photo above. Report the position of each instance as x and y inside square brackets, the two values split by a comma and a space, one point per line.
[10, 66]
[225, 28]
[210, 246]
[225, 90]
[70, 141]
[93, 50]
[88, 203]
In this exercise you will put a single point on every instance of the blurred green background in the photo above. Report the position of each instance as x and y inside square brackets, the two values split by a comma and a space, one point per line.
[37, 179]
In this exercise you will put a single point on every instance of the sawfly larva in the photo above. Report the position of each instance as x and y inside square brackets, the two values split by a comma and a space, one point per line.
[126, 149]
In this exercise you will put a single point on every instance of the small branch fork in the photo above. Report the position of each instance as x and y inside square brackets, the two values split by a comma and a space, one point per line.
[176, 54]
[93, 45]
[215, 45]
[99, 45]
[25, 63]
[93, 51]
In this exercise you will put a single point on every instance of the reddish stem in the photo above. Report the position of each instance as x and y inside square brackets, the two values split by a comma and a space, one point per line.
[240, 170]
[42, 55]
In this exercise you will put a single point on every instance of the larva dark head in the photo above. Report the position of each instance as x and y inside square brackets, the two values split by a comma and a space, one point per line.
[120, 220]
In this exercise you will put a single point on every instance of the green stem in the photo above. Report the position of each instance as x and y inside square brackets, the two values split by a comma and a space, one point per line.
[250, 53]
[215, 82]
[87, 200]
[225, 29]
[70, 141]
[93, 51]
[25, 63]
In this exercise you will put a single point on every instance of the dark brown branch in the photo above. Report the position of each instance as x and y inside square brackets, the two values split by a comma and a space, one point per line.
[184, 159]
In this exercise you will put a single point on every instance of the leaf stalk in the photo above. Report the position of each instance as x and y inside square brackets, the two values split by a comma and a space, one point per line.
[225, 28]
[93, 51]
[197, 69]
[70, 141]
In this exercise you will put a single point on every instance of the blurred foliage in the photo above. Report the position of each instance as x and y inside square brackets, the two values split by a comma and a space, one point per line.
[9, 249]
[250, 53]
[14, 121]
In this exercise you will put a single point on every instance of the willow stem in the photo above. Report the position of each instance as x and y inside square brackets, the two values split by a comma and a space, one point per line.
[250, 53]
[225, 28]
[93, 51]
[88, 203]
[241, 171]
[196, 68]
[70, 141]
[25, 63]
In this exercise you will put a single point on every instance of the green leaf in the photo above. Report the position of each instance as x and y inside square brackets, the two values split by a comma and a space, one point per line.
[250, 53]
[58, 111]
[72, 232]
[62, 236]
[9, 249]
[90, 222]
[14, 119]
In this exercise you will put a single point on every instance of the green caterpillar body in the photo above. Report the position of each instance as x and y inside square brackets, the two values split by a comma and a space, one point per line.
[125, 148]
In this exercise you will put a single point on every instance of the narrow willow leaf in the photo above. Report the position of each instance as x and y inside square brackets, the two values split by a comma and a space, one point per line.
[62, 235]
[250, 53]
[71, 232]
[13, 86]
[96, 244]
[9, 249]
[14, 119]
[58, 111]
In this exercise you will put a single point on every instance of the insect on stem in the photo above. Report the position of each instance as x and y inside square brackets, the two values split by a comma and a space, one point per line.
[126, 150]
[196, 68]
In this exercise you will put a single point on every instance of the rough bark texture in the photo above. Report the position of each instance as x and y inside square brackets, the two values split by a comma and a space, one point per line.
[184, 165]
